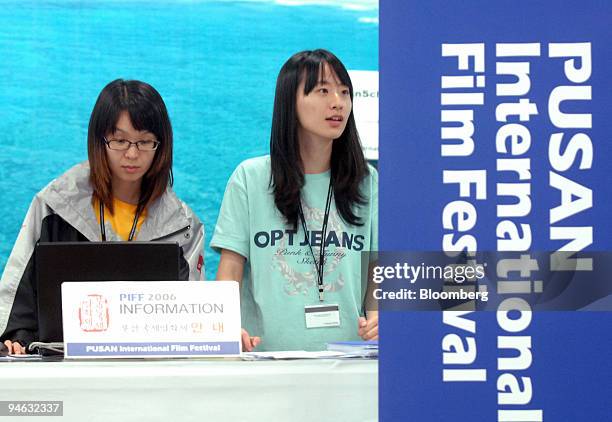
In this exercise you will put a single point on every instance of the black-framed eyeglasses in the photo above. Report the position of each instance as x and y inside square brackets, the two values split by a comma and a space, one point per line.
[124, 144]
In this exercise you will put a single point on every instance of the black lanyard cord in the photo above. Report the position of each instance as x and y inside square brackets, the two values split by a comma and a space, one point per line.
[103, 228]
[320, 265]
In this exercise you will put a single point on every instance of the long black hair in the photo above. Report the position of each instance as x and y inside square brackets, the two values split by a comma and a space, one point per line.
[348, 165]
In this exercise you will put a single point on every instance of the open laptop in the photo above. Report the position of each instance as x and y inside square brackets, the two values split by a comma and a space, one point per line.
[95, 261]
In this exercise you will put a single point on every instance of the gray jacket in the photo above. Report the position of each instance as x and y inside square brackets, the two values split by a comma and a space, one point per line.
[63, 211]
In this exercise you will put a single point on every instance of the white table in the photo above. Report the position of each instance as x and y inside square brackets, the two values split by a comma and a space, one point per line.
[198, 390]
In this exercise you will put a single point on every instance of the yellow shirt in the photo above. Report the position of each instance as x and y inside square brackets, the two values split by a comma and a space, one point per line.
[123, 218]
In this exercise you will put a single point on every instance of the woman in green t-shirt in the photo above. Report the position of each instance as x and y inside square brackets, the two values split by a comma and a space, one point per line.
[269, 218]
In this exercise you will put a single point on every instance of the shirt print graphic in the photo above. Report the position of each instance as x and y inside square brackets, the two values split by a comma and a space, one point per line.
[294, 261]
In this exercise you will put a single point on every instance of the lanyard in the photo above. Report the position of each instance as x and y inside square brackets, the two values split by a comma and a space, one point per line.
[103, 229]
[320, 265]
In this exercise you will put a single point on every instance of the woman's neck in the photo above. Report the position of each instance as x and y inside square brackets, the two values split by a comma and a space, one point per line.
[315, 153]
[128, 192]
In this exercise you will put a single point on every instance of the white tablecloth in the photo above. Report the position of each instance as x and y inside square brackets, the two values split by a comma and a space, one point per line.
[198, 390]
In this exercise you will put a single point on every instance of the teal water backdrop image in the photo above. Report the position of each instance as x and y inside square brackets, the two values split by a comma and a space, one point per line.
[214, 62]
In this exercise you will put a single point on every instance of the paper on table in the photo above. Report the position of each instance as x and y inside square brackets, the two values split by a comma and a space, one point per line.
[10, 358]
[291, 354]
[365, 349]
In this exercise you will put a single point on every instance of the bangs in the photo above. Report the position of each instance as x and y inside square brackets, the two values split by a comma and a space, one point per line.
[144, 114]
[313, 68]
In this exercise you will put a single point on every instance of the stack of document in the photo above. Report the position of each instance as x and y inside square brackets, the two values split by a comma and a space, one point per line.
[337, 350]
[362, 349]
[291, 354]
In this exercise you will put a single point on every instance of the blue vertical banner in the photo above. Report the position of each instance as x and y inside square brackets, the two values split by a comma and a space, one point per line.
[496, 135]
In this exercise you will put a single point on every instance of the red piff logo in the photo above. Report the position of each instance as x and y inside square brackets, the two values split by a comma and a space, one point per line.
[93, 313]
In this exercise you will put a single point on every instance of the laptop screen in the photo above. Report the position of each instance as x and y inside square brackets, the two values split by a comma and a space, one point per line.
[95, 261]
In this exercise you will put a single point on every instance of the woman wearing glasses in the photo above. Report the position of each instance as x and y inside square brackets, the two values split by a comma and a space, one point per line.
[293, 225]
[123, 193]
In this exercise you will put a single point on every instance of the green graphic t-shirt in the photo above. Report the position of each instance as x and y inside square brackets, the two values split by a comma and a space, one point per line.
[280, 277]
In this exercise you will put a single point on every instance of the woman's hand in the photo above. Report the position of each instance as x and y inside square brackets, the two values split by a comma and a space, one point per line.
[14, 348]
[248, 342]
[368, 328]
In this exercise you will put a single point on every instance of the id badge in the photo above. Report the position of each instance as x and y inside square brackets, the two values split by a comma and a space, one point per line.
[318, 316]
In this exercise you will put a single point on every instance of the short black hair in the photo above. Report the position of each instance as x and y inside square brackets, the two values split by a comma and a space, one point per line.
[147, 112]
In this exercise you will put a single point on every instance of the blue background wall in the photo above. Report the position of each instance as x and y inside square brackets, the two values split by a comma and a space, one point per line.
[214, 62]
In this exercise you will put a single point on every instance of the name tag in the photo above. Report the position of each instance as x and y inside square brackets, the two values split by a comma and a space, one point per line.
[150, 319]
[318, 316]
